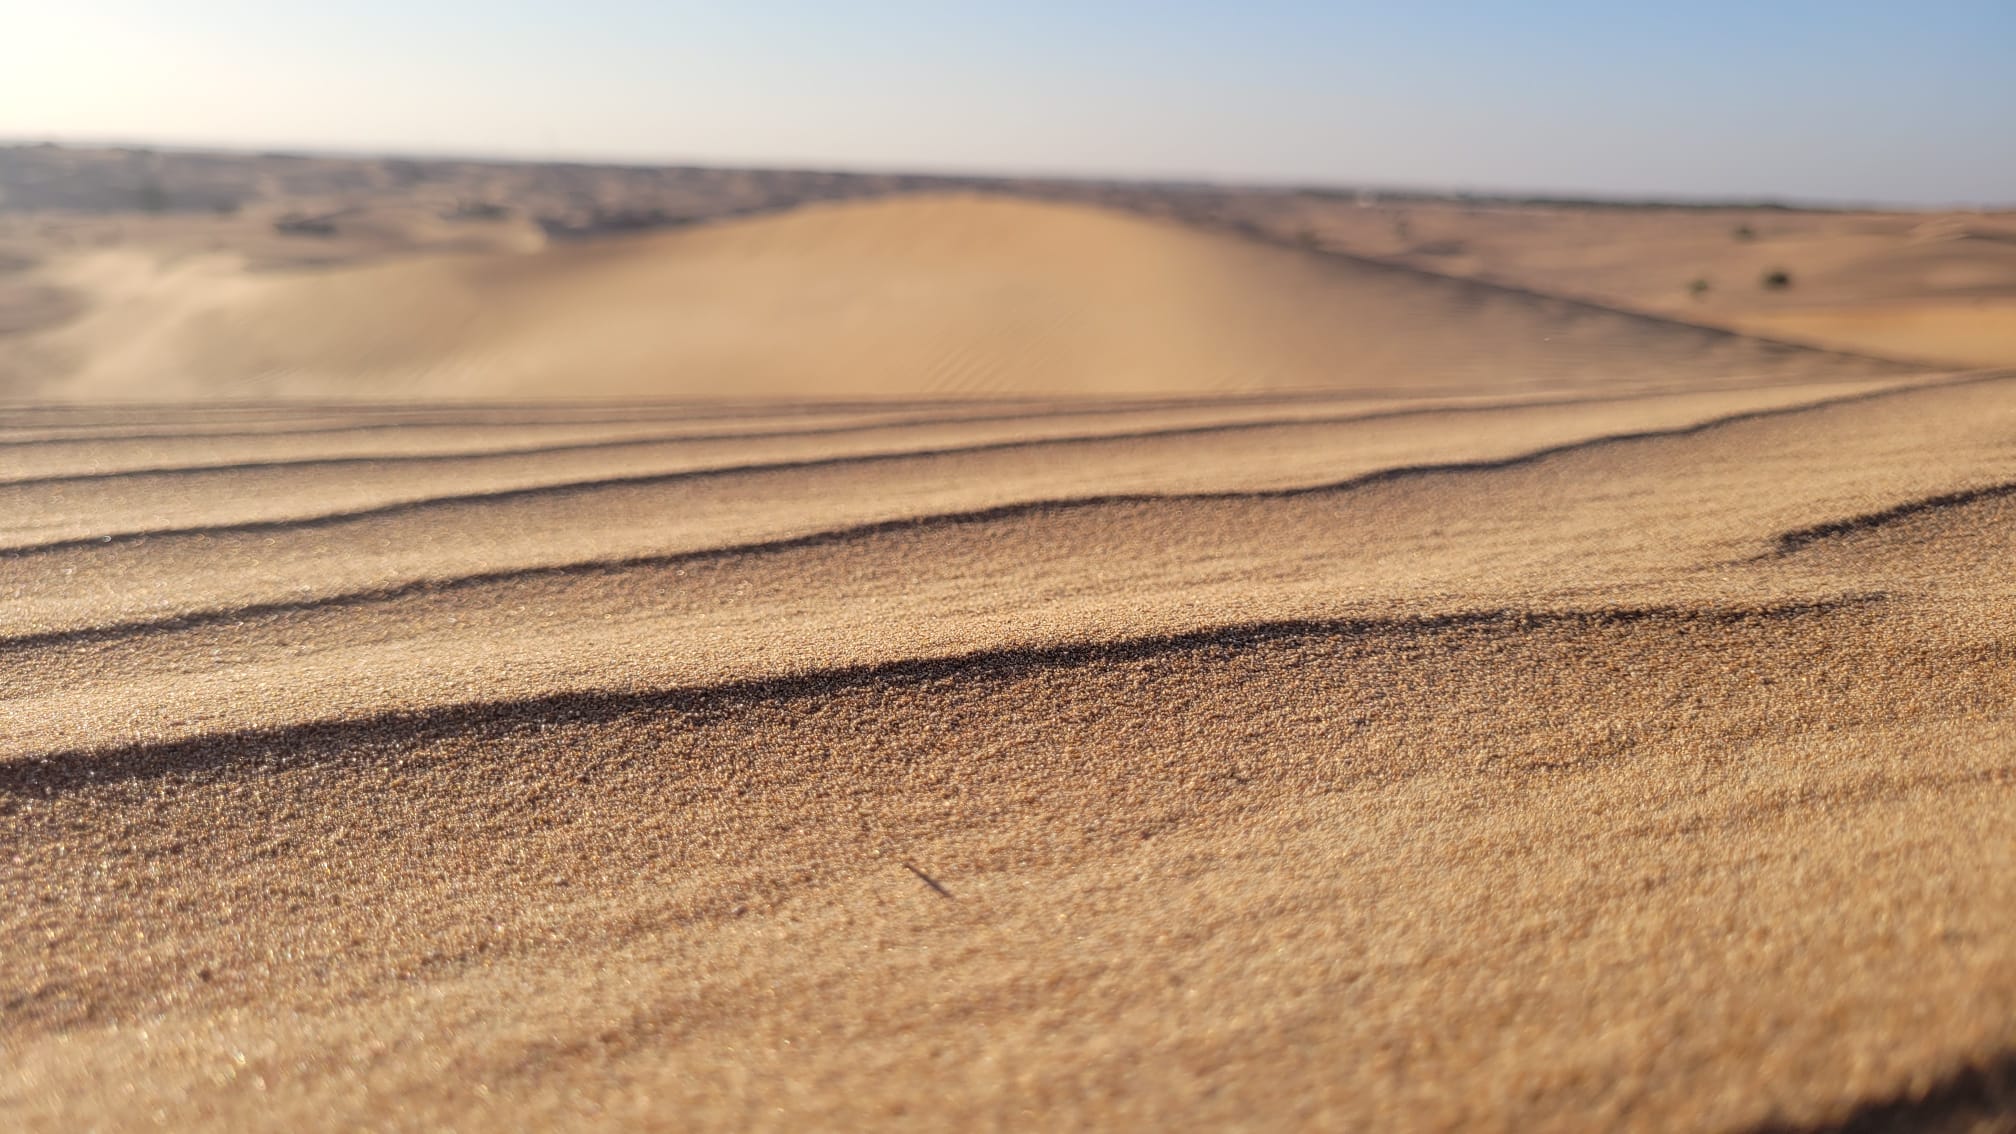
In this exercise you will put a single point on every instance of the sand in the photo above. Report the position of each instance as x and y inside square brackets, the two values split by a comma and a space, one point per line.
[1936, 287]
[1258, 689]
[1978, 330]
[933, 297]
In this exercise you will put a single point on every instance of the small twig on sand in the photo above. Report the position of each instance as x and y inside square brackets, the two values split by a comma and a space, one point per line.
[928, 881]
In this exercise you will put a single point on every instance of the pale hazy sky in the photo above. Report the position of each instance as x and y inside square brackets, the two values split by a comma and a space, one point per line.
[1845, 100]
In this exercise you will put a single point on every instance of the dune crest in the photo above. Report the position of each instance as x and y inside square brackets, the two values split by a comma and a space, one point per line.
[950, 295]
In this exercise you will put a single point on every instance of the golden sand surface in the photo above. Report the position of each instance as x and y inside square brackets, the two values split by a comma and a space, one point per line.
[942, 296]
[1480, 712]
[1931, 286]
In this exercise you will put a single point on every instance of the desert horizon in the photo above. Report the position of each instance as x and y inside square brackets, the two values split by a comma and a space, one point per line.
[556, 645]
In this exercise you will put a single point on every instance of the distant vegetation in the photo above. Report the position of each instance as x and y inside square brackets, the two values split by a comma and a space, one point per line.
[1777, 279]
[1745, 232]
[294, 224]
[1698, 288]
[1407, 196]
[478, 210]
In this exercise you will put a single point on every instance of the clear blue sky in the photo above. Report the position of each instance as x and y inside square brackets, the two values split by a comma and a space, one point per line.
[1843, 100]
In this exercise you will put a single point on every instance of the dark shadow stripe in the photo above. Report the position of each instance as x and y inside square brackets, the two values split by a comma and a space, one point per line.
[1798, 538]
[50, 775]
[1979, 1097]
[66, 480]
[562, 489]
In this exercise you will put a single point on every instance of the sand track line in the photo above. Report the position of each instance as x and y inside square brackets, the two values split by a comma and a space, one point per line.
[46, 775]
[590, 485]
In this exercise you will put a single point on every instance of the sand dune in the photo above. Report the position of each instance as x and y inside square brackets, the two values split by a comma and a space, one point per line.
[1298, 694]
[923, 296]
[1932, 287]
[1953, 331]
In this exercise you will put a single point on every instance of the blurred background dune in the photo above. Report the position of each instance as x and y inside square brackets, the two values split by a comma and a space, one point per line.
[371, 279]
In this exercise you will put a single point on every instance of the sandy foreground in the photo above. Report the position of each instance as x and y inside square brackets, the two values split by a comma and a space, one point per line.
[1094, 673]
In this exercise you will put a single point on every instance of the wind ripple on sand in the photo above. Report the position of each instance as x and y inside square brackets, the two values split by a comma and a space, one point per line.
[1435, 540]
[1306, 858]
[1507, 758]
[83, 582]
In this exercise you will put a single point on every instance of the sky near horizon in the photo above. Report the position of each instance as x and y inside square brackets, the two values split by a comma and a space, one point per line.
[1898, 102]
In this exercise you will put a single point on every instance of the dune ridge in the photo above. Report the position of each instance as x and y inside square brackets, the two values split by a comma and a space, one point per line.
[943, 296]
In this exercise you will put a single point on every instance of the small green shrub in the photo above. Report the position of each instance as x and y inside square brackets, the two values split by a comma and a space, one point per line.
[1777, 279]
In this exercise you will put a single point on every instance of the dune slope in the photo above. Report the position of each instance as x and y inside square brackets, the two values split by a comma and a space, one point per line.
[938, 296]
[1067, 671]
[1639, 761]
